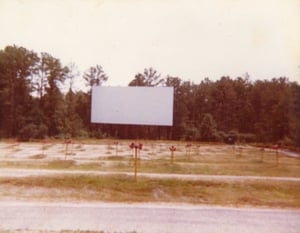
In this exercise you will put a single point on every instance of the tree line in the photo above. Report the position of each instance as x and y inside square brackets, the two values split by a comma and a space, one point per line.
[33, 104]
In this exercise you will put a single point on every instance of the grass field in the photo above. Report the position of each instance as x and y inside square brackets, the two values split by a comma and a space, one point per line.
[120, 188]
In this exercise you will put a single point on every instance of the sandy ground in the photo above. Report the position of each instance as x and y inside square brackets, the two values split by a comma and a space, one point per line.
[85, 153]
[82, 152]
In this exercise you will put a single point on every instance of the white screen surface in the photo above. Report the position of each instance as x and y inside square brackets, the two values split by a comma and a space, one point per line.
[133, 105]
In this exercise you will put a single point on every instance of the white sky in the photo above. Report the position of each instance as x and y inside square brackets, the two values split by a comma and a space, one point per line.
[190, 39]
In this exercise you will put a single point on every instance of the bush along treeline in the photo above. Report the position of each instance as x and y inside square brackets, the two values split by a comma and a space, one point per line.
[33, 104]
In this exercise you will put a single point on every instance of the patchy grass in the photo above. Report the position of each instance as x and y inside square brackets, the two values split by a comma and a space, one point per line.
[91, 166]
[110, 147]
[38, 156]
[61, 164]
[46, 146]
[117, 188]
[254, 168]
[250, 165]
[113, 158]
[215, 159]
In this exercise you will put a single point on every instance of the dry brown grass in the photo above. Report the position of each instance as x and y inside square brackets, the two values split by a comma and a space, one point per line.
[118, 188]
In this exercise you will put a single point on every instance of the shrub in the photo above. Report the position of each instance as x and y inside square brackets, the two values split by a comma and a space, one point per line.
[286, 141]
[28, 132]
[33, 131]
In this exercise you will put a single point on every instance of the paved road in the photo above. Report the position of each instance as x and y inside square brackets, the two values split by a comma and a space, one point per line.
[8, 172]
[146, 218]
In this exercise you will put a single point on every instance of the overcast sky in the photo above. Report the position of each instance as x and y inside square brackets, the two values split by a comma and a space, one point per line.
[190, 39]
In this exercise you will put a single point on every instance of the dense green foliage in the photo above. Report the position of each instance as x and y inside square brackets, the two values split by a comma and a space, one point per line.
[33, 105]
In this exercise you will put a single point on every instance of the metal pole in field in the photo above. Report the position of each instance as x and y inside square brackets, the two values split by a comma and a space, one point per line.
[276, 147]
[135, 163]
[43, 147]
[172, 149]
[188, 151]
[262, 151]
[116, 143]
[67, 141]
[66, 151]
[15, 146]
[198, 150]
[71, 148]
[277, 162]
[136, 147]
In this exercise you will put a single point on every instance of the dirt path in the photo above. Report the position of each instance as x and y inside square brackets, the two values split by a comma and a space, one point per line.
[7, 172]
